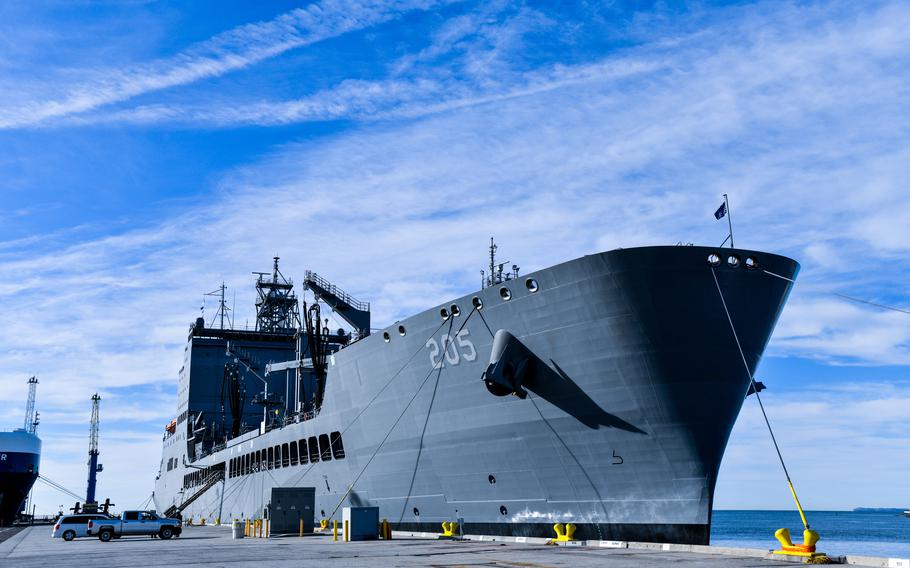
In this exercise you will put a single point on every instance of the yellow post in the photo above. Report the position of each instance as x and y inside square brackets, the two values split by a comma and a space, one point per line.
[346, 536]
[246, 527]
[267, 528]
[301, 528]
[259, 521]
[335, 530]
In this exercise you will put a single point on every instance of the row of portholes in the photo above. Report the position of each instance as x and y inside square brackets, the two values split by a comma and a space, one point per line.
[454, 311]
[733, 261]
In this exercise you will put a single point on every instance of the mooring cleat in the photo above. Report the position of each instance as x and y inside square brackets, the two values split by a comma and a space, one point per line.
[804, 550]
[448, 530]
[565, 533]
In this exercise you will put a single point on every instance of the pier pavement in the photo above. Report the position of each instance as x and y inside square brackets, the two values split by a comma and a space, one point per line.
[213, 547]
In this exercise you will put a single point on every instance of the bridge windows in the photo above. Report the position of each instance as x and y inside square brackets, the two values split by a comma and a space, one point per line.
[271, 458]
[293, 453]
[285, 455]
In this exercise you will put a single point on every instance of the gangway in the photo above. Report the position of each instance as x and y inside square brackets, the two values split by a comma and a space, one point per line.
[353, 311]
[212, 480]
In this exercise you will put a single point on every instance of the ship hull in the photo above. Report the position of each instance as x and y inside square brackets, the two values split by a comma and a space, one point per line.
[635, 383]
[20, 455]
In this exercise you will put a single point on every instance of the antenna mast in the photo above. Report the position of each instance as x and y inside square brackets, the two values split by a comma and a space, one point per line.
[496, 275]
[31, 417]
[222, 305]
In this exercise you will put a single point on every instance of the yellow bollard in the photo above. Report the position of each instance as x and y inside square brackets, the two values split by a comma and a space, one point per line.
[346, 534]
[259, 529]
[806, 549]
[301, 528]
[217, 521]
[267, 528]
[335, 530]
[564, 533]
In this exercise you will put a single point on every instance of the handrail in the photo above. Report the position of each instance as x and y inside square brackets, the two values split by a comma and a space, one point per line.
[330, 288]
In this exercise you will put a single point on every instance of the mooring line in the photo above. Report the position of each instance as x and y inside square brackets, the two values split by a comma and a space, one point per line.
[758, 397]
[372, 400]
[442, 363]
[846, 297]
[423, 432]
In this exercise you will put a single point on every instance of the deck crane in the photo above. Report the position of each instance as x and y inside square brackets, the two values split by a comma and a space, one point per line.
[93, 466]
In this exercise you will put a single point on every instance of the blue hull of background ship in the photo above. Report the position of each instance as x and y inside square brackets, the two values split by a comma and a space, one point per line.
[633, 382]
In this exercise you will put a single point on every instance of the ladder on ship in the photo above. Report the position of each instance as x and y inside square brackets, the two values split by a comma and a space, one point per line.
[213, 479]
[353, 311]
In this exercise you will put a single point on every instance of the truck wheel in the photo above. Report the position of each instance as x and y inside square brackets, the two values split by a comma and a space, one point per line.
[69, 535]
[105, 535]
[166, 532]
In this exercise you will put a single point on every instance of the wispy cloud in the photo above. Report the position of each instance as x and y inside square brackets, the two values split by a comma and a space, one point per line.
[795, 110]
[228, 51]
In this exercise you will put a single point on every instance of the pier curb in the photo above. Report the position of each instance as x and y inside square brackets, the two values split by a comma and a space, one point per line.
[852, 559]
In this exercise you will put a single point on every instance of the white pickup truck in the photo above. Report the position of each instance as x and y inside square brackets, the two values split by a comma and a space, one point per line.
[132, 523]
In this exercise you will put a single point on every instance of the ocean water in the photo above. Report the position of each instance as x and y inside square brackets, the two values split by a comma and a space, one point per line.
[842, 532]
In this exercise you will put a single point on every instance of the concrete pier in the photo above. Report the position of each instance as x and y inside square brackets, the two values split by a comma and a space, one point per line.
[213, 546]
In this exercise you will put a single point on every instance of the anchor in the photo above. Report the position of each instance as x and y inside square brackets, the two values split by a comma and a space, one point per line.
[509, 360]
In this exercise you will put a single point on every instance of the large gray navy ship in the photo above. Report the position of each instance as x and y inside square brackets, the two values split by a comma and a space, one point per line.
[600, 391]
[20, 456]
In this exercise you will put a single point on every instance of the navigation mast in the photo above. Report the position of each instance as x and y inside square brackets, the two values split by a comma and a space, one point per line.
[276, 308]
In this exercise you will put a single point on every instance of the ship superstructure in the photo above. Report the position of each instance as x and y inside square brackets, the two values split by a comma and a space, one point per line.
[600, 391]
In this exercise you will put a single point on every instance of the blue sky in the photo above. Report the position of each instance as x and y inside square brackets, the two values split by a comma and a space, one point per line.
[150, 150]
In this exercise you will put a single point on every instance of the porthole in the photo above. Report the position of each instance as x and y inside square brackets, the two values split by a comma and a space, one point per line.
[491, 479]
[386, 336]
[401, 330]
[751, 263]
[733, 261]
[477, 302]
[456, 311]
[532, 285]
[416, 512]
[503, 511]
[714, 259]
[505, 294]
[322, 513]
[444, 313]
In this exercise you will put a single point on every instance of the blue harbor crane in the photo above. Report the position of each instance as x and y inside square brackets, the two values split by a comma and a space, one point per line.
[93, 466]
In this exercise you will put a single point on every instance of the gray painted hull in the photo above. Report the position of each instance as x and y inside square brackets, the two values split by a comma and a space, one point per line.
[622, 433]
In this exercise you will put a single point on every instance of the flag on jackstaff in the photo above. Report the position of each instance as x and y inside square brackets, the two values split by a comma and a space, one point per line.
[721, 211]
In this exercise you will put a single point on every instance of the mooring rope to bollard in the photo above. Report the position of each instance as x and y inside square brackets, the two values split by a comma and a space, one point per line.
[742, 355]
